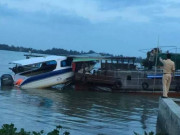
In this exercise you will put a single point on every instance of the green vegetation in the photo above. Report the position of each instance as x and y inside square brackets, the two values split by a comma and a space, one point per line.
[9, 129]
[53, 51]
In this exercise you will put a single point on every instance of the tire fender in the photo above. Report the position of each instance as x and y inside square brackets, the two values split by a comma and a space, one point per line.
[117, 84]
[145, 85]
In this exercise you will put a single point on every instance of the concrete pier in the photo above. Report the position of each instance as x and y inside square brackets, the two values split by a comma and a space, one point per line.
[169, 116]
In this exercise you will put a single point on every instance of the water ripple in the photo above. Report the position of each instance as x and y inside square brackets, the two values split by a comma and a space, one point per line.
[79, 112]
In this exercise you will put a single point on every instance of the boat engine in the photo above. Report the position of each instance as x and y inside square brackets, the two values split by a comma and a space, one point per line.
[7, 80]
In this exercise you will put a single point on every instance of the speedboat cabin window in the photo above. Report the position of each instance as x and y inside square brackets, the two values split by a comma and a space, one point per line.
[40, 68]
[49, 65]
[20, 68]
[66, 63]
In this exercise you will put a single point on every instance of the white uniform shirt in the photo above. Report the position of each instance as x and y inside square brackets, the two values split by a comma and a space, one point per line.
[168, 66]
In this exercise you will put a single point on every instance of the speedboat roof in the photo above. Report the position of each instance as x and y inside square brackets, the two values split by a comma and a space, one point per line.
[38, 60]
[86, 57]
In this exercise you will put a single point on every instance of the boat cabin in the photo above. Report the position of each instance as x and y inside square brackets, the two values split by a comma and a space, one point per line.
[118, 63]
[36, 66]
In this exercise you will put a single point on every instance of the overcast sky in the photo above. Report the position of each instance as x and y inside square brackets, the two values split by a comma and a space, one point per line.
[111, 26]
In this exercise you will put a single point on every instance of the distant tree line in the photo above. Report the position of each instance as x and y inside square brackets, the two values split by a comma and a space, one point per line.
[53, 51]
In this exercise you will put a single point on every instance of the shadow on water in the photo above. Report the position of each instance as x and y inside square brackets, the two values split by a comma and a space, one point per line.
[6, 88]
[84, 112]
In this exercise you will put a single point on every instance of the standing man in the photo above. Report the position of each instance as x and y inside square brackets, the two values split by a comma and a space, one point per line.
[151, 59]
[168, 69]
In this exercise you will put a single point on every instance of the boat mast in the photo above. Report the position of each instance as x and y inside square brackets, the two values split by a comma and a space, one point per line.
[156, 64]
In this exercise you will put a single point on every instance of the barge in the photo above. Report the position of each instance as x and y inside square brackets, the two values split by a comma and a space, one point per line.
[122, 74]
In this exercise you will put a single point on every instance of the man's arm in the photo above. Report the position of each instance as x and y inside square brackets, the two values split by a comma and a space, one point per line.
[173, 76]
[161, 60]
[173, 71]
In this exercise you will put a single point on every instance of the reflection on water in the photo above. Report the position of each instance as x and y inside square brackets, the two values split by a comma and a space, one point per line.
[80, 112]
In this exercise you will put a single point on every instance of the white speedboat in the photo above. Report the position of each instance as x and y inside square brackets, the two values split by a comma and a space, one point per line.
[42, 72]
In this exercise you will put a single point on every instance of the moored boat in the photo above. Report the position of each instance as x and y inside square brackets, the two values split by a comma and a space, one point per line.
[122, 74]
[41, 72]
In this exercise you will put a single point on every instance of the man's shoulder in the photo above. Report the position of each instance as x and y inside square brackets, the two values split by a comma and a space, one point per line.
[172, 62]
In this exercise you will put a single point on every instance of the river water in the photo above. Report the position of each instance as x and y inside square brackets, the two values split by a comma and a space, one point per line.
[79, 112]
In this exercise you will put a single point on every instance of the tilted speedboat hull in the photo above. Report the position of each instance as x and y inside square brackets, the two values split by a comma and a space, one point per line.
[48, 79]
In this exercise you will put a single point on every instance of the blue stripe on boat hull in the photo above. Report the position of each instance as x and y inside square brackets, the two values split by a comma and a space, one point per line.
[46, 75]
[159, 76]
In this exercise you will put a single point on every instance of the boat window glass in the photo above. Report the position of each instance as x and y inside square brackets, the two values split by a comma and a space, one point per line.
[19, 69]
[126, 61]
[48, 64]
[66, 63]
[129, 77]
[32, 67]
[130, 61]
[119, 61]
[108, 61]
[40, 68]
[103, 61]
[115, 61]
[51, 62]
